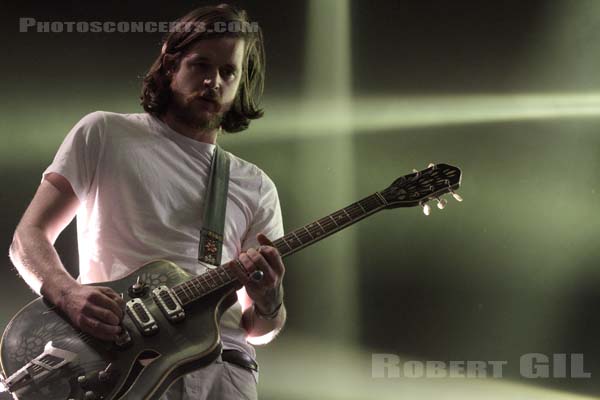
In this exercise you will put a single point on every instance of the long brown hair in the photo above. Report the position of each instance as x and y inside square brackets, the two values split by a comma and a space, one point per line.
[203, 23]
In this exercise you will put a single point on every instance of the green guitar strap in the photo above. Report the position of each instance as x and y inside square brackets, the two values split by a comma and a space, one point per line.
[211, 233]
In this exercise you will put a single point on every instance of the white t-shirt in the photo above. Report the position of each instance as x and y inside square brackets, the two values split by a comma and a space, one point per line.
[141, 187]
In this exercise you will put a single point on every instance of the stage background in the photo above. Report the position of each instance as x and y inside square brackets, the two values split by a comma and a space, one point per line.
[357, 94]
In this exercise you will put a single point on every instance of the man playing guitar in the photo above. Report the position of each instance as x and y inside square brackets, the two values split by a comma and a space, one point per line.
[136, 183]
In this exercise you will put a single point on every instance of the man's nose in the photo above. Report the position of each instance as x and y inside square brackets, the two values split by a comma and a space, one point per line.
[212, 81]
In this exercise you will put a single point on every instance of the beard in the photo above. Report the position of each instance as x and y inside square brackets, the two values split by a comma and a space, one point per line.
[190, 111]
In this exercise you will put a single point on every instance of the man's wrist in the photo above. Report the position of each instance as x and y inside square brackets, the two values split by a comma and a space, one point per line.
[56, 288]
[268, 314]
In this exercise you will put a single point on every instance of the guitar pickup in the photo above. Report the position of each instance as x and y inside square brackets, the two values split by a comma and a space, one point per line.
[168, 303]
[40, 368]
[138, 311]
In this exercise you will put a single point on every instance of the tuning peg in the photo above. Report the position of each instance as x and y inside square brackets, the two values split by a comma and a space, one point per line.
[431, 165]
[456, 196]
[441, 203]
[426, 208]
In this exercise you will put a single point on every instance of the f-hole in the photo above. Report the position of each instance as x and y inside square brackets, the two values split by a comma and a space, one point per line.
[144, 359]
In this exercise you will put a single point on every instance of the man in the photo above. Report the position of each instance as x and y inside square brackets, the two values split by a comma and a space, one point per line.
[137, 182]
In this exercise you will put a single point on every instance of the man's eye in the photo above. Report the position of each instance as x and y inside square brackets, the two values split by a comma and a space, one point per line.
[228, 74]
[199, 65]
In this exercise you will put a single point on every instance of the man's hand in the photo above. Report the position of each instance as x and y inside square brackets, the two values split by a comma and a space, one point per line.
[95, 310]
[267, 293]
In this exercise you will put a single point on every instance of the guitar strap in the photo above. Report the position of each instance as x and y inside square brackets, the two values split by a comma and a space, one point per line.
[215, 205]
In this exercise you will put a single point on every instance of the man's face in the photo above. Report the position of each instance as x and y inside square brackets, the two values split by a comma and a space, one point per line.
[205, 83]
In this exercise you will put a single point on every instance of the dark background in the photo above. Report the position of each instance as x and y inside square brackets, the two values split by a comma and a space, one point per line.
[508, 91]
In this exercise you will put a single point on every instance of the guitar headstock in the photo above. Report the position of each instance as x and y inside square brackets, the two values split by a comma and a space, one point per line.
[422, 186]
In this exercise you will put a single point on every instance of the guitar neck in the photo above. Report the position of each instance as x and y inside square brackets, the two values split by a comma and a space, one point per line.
[326, 226]
[300, 238]
[410, 190]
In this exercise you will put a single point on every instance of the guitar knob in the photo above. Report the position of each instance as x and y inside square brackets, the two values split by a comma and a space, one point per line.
[89, 395]
[124, 338]
[81, 380]
[104, 375]
[138, 288]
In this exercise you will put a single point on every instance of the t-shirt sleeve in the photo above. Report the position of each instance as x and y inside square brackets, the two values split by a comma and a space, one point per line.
[267, 219]
[78, 155]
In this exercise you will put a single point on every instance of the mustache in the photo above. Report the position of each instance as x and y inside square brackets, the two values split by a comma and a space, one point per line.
[205, 94]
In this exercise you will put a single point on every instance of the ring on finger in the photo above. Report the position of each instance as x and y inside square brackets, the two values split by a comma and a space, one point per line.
[257, 275]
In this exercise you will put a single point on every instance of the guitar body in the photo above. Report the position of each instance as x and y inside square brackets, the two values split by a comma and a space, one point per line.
[175, 349]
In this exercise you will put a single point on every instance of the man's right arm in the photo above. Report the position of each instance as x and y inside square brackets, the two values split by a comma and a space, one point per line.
[93, 309]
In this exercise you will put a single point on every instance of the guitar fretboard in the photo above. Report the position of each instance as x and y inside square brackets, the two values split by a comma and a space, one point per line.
[224, 275]
[328, 225]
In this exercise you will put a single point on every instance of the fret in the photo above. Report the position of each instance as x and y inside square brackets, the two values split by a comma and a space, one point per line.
[223, 275]
[307, 231]
[193, 289]
[303, 235]
[323, 230]
[177, 295]
[349, 216]
[297, 238]
[354, 211]
[228, 270]
[285, 242]
[181, 293]
[187, 289]
[208, 283]
[208, 279]
[188, 292]
[369, 204]
[200, 281]
[218, 277]
[361, 207]
[199, 288]
[204, 283]
[315, 230]
[333, 220]
[381, 199]
[294, 240]
[341, 218]
[214, 274]
[327, 224]
[376, 201]
[213, 282]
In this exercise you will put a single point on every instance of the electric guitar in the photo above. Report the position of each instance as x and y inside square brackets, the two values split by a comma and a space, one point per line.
[171, 324]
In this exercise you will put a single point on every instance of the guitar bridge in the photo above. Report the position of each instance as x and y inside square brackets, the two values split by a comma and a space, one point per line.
[168, 303]
[138, 311]
[40, 368]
